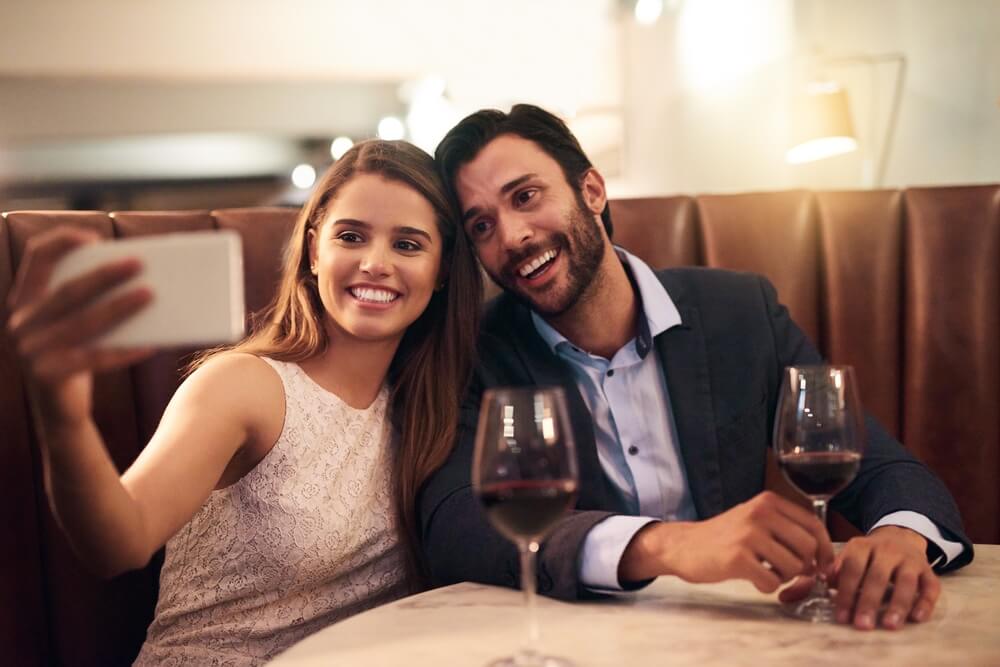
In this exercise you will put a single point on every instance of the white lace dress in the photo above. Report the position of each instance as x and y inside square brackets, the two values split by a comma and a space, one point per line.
[307, 538]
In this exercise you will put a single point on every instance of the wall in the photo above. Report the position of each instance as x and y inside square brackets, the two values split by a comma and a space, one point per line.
[709, 90]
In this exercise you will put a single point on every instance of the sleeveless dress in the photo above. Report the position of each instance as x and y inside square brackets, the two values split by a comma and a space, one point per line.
[306, 538]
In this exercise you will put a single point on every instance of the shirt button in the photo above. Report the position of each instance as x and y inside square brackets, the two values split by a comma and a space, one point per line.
[611, 372]
[633, 450]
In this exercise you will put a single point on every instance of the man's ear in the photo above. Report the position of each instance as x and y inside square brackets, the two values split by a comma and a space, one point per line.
[595, 196]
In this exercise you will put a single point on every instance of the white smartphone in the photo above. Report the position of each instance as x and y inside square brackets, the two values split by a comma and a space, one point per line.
[197, 284]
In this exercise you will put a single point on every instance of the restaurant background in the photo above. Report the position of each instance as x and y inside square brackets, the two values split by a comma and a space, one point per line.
[111, 104]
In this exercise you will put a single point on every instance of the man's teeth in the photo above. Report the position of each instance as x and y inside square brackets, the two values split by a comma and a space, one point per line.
[374, 295]
[537, 263]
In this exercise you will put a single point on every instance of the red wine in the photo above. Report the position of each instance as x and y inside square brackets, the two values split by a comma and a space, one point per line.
[820, 474]
[526, 509]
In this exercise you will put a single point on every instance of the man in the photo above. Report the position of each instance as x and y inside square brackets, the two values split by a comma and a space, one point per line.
[672, 379]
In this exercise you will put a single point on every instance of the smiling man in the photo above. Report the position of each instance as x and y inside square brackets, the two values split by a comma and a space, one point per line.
[672, 378]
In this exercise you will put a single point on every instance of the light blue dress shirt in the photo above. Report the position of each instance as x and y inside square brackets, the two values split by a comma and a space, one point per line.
[636, 438]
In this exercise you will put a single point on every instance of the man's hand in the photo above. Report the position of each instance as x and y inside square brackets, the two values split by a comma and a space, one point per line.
[863, 571]
[766, 541]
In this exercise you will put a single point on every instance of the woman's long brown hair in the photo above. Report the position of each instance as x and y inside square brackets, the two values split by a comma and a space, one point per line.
[434, 360]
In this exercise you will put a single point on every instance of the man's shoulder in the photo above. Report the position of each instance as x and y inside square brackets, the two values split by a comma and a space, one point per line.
[703, 277]
[699, 282]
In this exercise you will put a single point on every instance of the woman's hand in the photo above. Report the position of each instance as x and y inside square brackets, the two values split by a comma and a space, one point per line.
[52, 330]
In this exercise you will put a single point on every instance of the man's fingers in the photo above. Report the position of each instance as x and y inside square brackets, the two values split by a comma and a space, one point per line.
[880, 570]
[810, 523]
[798, 540]
[784, 563]
[797, 590]
[930, 590]
[904, 593]
[853, 564]
[762, 577]
[41, 254]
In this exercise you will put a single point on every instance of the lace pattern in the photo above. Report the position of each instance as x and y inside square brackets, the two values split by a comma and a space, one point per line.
[305, 539]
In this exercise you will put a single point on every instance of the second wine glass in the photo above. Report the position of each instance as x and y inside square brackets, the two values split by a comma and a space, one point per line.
[819, 437]
[525, 474]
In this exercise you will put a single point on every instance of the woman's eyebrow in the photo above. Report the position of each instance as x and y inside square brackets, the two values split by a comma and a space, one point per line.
[413, 231]
[399, 229]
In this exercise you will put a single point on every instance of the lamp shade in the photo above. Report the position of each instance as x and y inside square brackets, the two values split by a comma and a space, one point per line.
[821, 124]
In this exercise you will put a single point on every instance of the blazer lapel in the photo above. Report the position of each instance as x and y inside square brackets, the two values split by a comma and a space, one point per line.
[545, 368]
[685, 366]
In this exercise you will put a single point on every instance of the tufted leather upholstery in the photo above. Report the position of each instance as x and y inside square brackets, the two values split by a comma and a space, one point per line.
[902, 284]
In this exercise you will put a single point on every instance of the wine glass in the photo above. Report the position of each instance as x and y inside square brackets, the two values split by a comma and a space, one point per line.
[818, 439]
[525, 474]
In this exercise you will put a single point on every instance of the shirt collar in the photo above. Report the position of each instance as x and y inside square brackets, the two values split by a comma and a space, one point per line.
[657, 311]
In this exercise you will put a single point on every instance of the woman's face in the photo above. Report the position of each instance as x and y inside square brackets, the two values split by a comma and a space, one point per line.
[377, 257]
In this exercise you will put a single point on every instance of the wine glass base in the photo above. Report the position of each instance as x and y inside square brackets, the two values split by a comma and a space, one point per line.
[813, 609]
[531, 660]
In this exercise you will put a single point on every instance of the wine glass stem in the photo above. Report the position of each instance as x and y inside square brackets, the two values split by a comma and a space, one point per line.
[529, 651]
[819, 587]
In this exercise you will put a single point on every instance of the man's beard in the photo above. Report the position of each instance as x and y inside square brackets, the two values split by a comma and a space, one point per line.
[583, 250]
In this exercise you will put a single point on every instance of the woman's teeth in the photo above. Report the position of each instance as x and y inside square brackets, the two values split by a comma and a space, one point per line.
[537, 263]
[373, 295]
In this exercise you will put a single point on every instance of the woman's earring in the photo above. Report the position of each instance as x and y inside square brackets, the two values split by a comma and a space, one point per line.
[313, 269]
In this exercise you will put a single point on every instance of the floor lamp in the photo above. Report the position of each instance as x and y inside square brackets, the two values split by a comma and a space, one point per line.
[822, 125]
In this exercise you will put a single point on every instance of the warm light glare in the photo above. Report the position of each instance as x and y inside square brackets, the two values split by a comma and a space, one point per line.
[391, 128]
[303, 176]
[817, 149]
[339, 146]
[721, 42]
[648, 11]
[431, 114]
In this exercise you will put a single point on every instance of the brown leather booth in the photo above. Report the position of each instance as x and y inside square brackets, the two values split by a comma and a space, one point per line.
[902, 284]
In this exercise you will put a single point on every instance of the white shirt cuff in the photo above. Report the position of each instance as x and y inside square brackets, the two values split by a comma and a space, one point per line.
[919, 523]
[603, 549]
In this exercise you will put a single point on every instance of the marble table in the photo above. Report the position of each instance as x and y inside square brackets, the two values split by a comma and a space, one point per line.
[668, 623]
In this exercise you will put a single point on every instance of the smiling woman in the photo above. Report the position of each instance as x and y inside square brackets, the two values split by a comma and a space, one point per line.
[377, 259]
[283, 474]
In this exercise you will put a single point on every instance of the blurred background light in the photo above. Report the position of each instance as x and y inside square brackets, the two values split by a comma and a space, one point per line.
[647, 12]
[303, 176]
[391, 128]
[339, 146]
[721, 41]
[431, 114]
[214, 108]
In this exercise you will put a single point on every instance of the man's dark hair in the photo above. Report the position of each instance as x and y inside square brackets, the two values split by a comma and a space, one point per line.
[464, 141]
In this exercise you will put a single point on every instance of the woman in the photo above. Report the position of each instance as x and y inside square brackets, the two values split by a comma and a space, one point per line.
[282, 477]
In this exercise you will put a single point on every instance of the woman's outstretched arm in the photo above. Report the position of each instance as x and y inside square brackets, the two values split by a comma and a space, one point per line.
[212, 426]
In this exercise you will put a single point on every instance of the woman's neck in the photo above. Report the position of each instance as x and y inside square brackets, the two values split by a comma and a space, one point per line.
[353, 370]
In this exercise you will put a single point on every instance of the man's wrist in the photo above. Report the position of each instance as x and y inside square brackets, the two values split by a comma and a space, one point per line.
[648, 555]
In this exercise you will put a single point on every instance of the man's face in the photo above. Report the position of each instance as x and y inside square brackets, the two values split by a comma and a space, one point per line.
[534, 234]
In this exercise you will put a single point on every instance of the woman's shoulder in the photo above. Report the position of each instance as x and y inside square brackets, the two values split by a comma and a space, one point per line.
[233, 365]
[242, 379]
[243, 387]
